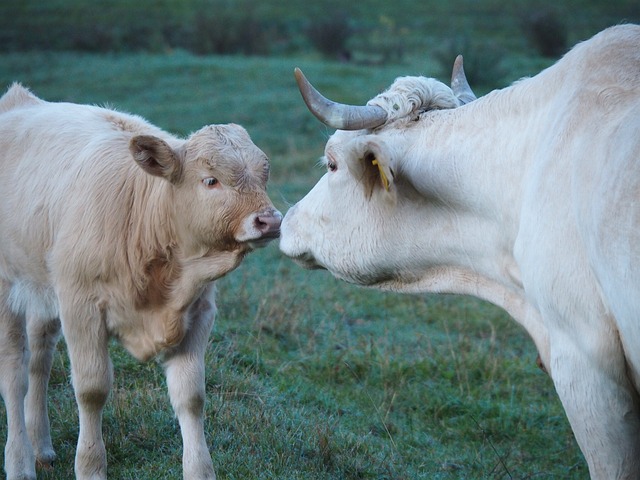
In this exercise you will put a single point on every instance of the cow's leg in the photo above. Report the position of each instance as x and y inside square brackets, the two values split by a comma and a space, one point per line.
[19, 460]
[86, 335]
[43, 336]
[184, 368]
[601, 404]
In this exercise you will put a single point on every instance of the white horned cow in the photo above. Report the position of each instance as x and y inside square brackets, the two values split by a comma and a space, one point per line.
[112, 228]
[528, 197]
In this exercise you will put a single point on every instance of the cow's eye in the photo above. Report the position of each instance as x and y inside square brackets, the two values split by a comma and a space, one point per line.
[210, 182]
[332, 166]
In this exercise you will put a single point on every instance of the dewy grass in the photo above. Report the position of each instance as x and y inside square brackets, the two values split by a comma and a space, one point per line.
[307, 377]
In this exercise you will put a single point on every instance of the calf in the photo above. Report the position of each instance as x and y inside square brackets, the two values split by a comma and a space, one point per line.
[111, 227]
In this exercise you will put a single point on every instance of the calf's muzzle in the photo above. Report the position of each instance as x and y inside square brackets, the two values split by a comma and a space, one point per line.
[268, 223]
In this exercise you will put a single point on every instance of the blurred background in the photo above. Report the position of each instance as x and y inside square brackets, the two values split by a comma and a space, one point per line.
[309, 377]
[370, 31]
[364, 32]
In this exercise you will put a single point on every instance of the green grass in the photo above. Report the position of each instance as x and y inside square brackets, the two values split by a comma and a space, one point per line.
[307, 377]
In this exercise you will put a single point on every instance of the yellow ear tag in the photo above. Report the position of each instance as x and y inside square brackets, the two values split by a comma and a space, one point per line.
[383, 176]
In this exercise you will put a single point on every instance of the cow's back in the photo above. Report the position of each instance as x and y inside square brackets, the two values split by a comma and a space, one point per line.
[599, 137]
[581, 199]
[607, 203]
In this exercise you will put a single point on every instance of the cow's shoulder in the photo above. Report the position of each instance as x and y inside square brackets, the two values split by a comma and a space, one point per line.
[18, 96]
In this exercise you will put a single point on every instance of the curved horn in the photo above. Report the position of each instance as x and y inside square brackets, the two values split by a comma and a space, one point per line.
[338, 115]
[459, 84]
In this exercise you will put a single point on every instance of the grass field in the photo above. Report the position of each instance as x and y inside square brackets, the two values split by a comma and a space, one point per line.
[309, 378]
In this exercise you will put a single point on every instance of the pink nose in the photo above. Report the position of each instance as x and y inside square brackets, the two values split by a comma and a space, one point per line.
[268, 223]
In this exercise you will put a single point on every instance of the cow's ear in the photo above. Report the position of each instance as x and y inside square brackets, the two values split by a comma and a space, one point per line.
[156, 157]
[372, 166]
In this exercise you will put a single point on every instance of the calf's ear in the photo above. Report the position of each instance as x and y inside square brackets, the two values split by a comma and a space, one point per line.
[371, 165]
[156, 157]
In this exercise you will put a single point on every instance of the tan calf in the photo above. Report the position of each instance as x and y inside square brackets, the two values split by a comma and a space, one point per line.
[111, 227]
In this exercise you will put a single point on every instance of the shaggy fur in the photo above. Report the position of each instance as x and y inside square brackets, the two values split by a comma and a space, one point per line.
[109, 224]
[408, 97]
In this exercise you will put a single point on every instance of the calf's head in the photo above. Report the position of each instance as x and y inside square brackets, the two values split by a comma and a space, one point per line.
[218, 181]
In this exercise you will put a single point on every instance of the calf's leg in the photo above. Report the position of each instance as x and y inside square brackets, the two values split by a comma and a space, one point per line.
[43, 336]
[86, 336]
[184, 368]
[19, 460]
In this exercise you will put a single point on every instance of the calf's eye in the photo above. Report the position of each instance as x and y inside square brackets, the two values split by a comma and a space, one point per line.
[332, 166]
[210, 182]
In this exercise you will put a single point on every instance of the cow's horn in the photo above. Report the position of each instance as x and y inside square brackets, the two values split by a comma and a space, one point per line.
[459, 84]
[338, 115]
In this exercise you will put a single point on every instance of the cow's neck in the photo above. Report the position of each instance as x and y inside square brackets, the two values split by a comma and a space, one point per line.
[471, 174]
[479, 157]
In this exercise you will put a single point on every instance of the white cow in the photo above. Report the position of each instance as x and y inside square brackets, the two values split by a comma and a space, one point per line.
[528, 197]
[111, 227]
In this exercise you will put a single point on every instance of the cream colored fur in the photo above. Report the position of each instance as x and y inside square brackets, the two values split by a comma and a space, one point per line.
[528, 197]
[109, 229]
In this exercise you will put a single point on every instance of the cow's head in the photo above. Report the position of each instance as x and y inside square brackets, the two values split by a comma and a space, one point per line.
[218, 180]
[356, 220]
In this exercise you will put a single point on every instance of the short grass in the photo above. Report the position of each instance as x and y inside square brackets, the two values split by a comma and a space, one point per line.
[307, 377]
